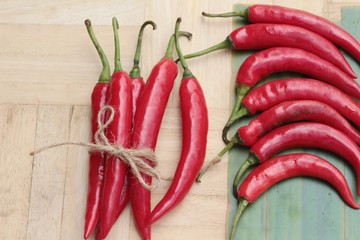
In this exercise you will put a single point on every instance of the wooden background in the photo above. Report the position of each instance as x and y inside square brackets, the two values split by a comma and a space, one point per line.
[48, 67]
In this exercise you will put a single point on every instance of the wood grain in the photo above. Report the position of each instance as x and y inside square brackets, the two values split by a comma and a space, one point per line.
[48, 68]
[17, 128]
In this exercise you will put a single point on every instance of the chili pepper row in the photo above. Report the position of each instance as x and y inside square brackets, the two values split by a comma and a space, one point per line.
[108, 192]
[282, 59]
[322, 106]
[138, 111]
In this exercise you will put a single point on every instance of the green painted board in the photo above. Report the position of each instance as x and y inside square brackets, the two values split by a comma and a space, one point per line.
[298, 208]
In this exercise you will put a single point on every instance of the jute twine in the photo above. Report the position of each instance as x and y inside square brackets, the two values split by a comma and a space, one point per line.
[134, 158]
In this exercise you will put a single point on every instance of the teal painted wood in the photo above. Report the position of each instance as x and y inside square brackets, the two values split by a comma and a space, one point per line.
[351, 22]
[298, 208]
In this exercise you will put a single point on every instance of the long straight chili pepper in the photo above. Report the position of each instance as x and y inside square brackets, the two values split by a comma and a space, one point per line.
[263, 63]
[99, 98]
[282, 113]
[148, 117]
[137, 81]
[194, 132]
[266, 35]
[303, 134]
[119, 133]
[260, 13]
[274, 92]
[284, 167]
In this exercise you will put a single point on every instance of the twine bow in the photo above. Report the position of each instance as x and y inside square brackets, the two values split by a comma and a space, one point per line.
[141, 161]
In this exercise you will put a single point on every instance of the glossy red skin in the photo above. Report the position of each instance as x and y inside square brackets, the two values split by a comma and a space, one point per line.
[266, 35]
[138, 85]
[281, 59]
[194, 132]
[123, 201]
[274, 92]
[148, 117]
[99, 98]
[292, 165]
[292, 111]
[119, 133]
[276, 14]
[308, 134]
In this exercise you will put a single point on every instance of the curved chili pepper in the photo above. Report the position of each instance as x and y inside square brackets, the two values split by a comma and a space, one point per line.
[137, 81]
[148, 117]
[260, 13]
[266, 35]
[303, 134]
[263, 63]
[194, 132]
[284, 167]
[274, 92]
[119, 133]
[282, 113]
[99, 98]
[292, 111]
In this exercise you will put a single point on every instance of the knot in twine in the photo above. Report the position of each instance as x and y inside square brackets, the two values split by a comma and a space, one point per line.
[134, 158]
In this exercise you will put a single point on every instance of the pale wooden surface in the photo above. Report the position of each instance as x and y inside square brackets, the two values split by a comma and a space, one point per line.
[48, 67]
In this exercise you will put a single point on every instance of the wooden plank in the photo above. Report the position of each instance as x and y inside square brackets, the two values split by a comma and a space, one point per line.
[72, 12]
[351, 22]
[76, 178]
[17, 135]
[49, 171]
[57, 68]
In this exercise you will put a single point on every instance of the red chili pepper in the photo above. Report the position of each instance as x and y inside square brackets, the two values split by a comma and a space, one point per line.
[99, 98]
[282, 113]
[148, 117]
[263, 63]
[303, 134]
[260, 13]
[119, 133]
[274, 92]
[137, 81]
[266, 35]
[292, 111]
[287, 166]
[194, 132]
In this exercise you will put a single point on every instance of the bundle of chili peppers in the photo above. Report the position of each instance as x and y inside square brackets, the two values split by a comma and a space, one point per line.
[318, 110]
[138, 109]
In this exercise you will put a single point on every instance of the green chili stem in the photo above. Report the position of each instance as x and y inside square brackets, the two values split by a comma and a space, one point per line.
[238, 111]
[241, 13]
[135, 72]
[241, 207]
[227, 43]
[170, 46]
[117, 61]
[251, 160]
[105, 73]
[187, 73]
